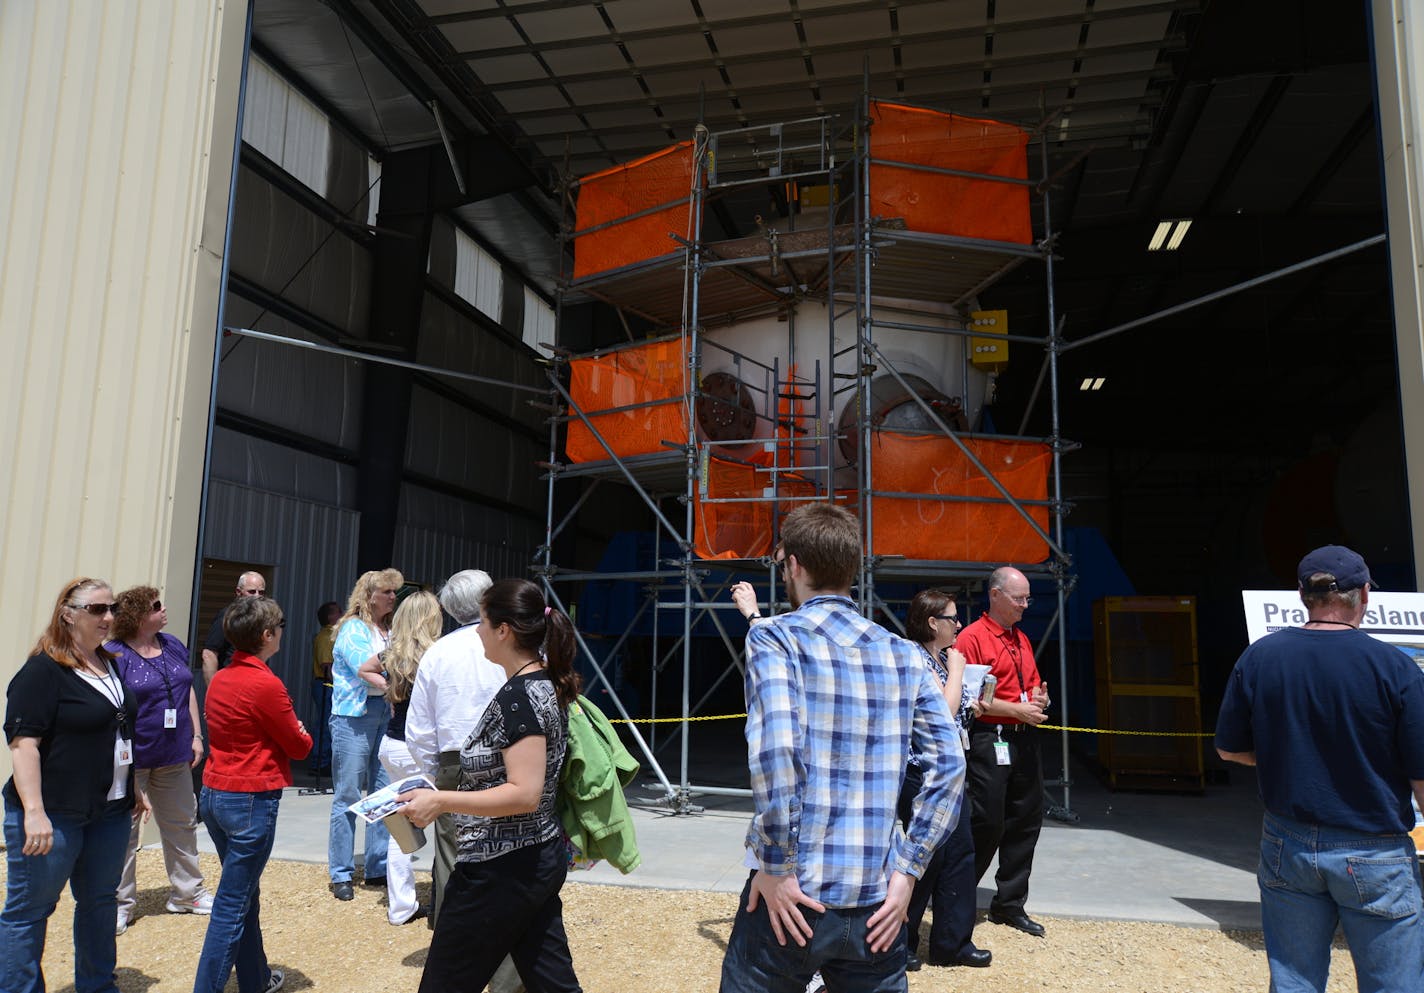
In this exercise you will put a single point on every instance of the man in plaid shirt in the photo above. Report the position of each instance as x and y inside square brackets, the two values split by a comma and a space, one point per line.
[834, 703]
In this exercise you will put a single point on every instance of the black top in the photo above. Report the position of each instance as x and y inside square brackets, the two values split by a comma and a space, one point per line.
[216, 641]
[396, 729]
[76, 727]
[526, 705]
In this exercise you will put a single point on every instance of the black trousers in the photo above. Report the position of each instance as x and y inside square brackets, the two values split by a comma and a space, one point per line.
[948, 883]
[506, 906]
[1007, 811]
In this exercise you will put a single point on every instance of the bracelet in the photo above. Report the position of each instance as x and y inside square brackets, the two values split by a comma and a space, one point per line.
[754, 617]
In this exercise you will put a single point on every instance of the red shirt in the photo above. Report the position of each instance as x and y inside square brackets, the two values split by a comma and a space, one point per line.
[252, 729]
[1009, 656]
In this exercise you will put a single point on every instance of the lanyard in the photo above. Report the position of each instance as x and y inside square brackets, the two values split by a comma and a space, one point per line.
[115, 695]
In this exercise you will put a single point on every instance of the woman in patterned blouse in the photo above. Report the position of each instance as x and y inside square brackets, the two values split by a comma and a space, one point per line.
[511, 858]
[933, 621]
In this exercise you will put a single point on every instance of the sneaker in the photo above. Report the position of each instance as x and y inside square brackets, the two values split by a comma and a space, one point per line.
[122, 925]
[201, 904]
[816, 985]
[275, 981]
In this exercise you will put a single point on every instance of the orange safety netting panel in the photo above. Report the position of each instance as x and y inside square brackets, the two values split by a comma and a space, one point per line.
[649, 374]
[624, 190]
[741, 530]
[956, 531]
[953, 205]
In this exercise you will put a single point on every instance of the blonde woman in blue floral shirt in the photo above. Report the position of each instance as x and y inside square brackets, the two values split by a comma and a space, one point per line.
[359, 716]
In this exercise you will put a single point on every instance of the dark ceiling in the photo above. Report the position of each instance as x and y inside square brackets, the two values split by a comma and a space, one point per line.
[1226, 437]
[1255, 120]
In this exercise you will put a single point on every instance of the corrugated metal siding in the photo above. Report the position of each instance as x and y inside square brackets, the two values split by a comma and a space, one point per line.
[313, 549]
[431, 557]
[315, 394]
[118, 121]
[247, 461]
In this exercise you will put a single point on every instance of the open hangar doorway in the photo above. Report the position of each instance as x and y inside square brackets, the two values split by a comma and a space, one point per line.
[397, 198]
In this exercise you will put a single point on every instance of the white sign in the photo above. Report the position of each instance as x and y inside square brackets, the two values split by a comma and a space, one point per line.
[1395, 618]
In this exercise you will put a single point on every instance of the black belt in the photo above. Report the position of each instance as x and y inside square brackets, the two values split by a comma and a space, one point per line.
[990, 727]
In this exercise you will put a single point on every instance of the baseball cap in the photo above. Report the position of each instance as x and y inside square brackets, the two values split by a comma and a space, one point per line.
[1347, 568]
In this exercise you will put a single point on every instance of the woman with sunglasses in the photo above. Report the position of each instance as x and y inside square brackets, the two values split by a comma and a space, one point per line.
[949, 880]
[167, 746]
[69, 723]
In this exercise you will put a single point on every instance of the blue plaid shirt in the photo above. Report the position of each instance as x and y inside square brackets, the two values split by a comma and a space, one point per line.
[834, 704]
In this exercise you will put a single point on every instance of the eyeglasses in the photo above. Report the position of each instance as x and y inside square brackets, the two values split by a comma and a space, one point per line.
[96, 609]
[261, 592]
[1022, 601]
[282, 623]
[952, 618]
[157, 606]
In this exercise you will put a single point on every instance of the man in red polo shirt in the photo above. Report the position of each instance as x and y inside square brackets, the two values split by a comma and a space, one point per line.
[1005, 778]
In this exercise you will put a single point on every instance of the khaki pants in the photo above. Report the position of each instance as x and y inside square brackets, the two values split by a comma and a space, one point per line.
[175, 811]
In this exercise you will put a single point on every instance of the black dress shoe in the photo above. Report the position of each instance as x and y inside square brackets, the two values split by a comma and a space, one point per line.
[975, 958]
[343, 891]
[1019, 921]
[912, 962]
[374, 881]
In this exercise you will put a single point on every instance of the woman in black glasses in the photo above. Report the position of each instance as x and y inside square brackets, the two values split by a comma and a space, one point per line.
[949, 880]
[167, 745]
[69, 723]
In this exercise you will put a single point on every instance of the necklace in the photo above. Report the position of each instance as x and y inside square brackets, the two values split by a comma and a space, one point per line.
[1343, 624]
[526, 665]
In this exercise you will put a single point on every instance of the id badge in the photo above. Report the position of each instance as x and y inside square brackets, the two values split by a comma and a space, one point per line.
[964, 739]
[1001, 753]
[123, 751]
[170, 717]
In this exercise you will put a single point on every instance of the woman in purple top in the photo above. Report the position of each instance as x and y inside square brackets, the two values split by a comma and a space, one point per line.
[167, 745]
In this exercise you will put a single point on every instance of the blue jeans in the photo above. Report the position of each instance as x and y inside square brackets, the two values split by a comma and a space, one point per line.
[838, 949]
[87, 854]
[242, 826]
[1314, 877]
[320, 757]
[356, 769]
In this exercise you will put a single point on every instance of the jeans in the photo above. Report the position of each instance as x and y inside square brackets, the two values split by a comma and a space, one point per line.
[504, 906]
[87, 854]
[320, 757]
[838, 949]
[242, 826]
[1314, 877]
[356, 769]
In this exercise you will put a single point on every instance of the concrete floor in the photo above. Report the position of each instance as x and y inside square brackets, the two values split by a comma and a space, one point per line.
[1179, 859]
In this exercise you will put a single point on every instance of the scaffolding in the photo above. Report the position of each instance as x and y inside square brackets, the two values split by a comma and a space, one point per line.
[912, 231]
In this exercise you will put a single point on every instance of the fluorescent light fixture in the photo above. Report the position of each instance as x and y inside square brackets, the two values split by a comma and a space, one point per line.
[1169, 235]
[1098, 383]
[1086, 384]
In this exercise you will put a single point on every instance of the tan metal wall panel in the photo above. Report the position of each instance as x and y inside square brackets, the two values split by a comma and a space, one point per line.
[119, 119]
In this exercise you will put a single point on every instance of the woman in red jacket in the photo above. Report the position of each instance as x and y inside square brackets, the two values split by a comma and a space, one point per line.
[253, 734]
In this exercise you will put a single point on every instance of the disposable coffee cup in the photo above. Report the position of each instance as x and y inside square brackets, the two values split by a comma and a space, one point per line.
[410, 838]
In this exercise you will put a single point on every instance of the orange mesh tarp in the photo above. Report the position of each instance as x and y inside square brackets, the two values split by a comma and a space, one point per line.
[961, 532]
[953, 205]
[741, 530]
[644, 374]
[623, 190]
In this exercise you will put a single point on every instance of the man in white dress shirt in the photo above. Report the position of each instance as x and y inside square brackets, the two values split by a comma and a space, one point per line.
[453, 685]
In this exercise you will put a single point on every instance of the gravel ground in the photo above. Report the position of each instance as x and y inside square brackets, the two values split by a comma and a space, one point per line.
[629, 940]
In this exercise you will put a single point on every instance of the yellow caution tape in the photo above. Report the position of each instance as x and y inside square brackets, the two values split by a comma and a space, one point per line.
[1043, 727]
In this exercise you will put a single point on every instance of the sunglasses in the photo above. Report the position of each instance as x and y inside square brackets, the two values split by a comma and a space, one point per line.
[157, 606]
[96, 609]
[952, 618]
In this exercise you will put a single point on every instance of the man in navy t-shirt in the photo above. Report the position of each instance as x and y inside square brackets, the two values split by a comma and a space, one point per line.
[1333, 720]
